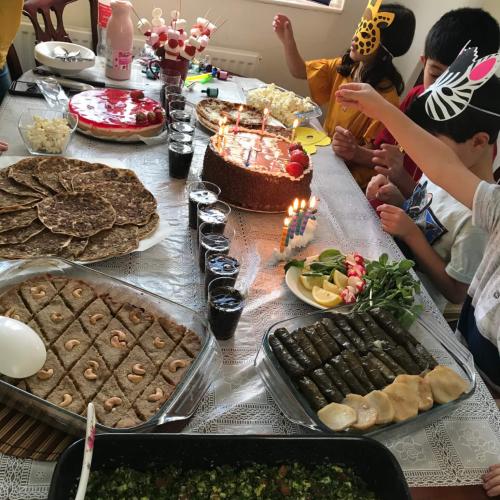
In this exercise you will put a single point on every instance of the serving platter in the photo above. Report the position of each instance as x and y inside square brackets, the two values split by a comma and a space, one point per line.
[153, 239]
[292, 280]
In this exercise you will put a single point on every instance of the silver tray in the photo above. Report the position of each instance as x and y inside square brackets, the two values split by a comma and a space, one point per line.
[187, 395]
[441, 344]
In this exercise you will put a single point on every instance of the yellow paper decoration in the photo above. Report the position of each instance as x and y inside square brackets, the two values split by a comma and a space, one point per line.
[310, 138]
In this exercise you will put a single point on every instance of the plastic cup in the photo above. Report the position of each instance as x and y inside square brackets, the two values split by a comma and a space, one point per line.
[180, 157]
[211, 241]
[216, 213]
[225, 305]
[220, 265]
[200, 192]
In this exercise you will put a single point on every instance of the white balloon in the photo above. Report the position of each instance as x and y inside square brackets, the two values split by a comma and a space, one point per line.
[22, 352]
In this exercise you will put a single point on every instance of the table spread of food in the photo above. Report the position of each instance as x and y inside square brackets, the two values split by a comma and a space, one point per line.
[347, 353]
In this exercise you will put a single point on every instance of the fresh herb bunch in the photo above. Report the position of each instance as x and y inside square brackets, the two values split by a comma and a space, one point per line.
[327, 262]
[390, 285]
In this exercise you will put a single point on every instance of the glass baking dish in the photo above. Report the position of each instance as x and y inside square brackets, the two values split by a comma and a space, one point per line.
[187, 395]
[441, 344]
[304, 117]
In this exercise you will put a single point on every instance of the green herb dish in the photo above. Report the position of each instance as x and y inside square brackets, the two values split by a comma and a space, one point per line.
[332, 279]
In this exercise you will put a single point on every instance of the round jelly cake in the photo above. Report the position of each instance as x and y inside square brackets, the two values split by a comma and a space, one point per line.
[256, 171]
[117, 113]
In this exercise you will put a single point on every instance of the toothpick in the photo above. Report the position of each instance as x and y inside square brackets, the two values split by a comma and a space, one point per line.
[207, 13]
[179, 9]
[217, 28]
[135, 12]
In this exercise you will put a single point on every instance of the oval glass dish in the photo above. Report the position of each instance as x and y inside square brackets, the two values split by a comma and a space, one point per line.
[187, 394]
[444, 347]
[303, 117]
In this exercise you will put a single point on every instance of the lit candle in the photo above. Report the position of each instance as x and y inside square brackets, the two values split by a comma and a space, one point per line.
[292, 220]
[292, 211]
[219, 133]
[264, 119]
[225, 132]
[308, 214]
[284, 234]
[294, 129]
[238, 117]
[300, 215]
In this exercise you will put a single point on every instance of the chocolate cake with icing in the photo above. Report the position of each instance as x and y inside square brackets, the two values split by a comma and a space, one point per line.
[116, 113]
[250, 168]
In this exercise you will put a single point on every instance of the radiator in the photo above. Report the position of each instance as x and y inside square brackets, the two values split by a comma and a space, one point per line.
[240, 62]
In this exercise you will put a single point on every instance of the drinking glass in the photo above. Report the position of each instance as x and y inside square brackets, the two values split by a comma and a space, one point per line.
[212, 241]
[219, 265]
[200, 192]
[216, 213]
[180, 157]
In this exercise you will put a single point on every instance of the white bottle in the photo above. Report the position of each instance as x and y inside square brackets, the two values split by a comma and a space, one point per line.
[119, 41]
[103, 15]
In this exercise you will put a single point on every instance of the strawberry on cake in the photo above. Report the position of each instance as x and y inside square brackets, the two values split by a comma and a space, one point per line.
[117, 114]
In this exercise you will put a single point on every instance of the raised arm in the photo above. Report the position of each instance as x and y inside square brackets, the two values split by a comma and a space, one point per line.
[434, 158]
[283, 29]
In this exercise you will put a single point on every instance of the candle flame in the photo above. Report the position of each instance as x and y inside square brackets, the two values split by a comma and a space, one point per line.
[295, 123]
[286, 221]
[295, 204]
[266, 111]
[290, 211]
[312, 202]
[303, 204]
[240, 109]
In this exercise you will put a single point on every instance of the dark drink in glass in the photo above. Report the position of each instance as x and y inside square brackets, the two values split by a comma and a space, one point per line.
[180, 137]
[212, 243]
[225, 305]
[182, 127]
[203, 195]
[179, 115]
[220, 266]
[179, 159]
[216, 214]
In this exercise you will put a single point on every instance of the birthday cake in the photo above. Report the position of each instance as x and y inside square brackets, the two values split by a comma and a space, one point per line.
[257, 171]
[117, 114]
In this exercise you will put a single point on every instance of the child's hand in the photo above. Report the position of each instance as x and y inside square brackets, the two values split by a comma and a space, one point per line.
[344, 144]
[363, 97]
[3, 146]
[283, 28]
[373, 188]
[389, 160]
[491, 481]
[396, 222]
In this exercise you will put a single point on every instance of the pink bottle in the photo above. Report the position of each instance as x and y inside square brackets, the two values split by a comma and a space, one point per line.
[119, 41]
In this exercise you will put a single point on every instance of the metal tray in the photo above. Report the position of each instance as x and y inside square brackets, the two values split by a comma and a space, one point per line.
[443, 346]
[371, 460]
[186, 397]
[304, 117]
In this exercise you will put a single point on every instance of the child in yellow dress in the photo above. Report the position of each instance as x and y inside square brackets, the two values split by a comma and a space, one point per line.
[379, 38]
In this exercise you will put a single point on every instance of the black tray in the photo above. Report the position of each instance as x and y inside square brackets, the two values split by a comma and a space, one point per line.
[371, 460]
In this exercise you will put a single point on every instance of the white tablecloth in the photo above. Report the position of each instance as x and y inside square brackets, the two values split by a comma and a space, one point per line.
[454, 451]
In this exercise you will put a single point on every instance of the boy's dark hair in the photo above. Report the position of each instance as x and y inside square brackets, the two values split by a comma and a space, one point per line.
[470, 121]
[397, 39]
[455, 28]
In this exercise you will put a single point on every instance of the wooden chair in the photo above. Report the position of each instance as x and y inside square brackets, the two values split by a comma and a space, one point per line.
[35, 8]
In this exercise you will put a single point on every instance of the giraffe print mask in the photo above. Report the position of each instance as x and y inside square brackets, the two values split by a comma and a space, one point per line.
[367, 36]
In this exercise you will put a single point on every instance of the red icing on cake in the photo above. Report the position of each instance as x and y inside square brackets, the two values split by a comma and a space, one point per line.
[113, 113]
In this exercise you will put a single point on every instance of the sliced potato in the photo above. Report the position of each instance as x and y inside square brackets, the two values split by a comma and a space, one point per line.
[366, 414]
[446, 384]
[337, 417]
[423, 388]
[382, 403]
[404, 399]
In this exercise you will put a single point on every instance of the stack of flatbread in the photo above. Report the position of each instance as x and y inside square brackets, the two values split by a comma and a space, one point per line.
[73, 209]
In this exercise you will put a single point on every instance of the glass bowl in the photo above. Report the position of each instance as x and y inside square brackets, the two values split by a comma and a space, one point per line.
[47, 131]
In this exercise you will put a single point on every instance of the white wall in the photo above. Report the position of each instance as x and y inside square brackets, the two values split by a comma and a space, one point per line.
[318, 34]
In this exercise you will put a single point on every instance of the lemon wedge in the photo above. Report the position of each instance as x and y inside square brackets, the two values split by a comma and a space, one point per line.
[325, 298]
[308, 282]
[331, 287]
[340, 279]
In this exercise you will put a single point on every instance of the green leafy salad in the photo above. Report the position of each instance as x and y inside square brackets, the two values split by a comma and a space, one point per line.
[256, 481]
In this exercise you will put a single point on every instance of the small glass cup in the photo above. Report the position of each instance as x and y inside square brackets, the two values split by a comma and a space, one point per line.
[225, 306]
[180, 157]
[200, 192]
[171, 77]
[180, 111]
[211, 240]
[219, 265]
[182, 127]
[216, 213]
[180, 138]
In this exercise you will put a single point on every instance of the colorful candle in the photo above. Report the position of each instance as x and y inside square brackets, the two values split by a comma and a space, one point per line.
[284, 234]
[293, 220]
[308, 214]
[249, 154]
[238, 118]
[294, 129]
[300, 216]
[264, 119]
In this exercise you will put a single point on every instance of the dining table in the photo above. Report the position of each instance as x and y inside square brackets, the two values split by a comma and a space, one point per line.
[442, 460]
